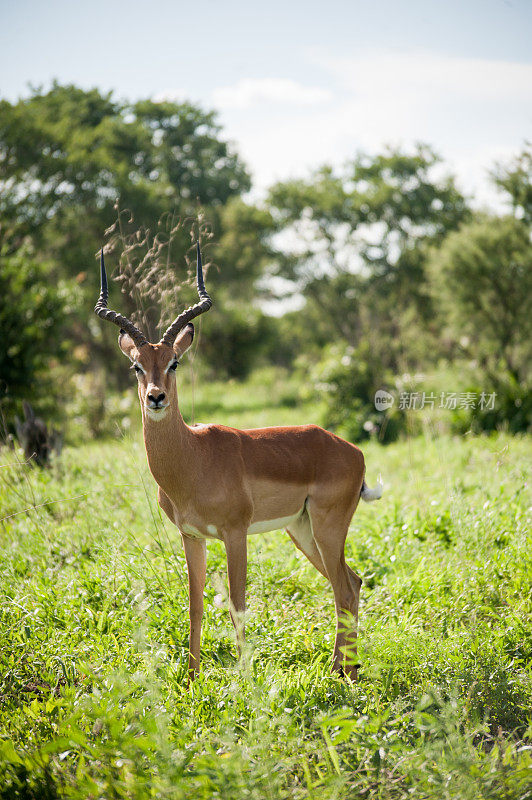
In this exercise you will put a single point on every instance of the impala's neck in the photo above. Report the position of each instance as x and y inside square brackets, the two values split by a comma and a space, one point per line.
[168, 441]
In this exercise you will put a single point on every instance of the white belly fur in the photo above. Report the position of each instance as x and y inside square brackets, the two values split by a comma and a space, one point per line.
[273, 524]
[261, 526]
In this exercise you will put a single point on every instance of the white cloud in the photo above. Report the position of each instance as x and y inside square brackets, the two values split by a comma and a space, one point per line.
[427, 96]
[250, 92]
[470, 110]
[428, 72]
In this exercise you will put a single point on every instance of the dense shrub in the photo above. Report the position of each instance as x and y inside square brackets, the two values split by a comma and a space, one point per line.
[512, 411]
[347, 378]
[482, 281]
[32, 311]
[236, 341]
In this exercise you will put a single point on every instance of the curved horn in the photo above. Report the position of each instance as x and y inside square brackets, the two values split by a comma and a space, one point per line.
[194, 311]
[105, 313]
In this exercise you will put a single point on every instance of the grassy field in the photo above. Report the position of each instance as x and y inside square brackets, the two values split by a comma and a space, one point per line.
[94, 626]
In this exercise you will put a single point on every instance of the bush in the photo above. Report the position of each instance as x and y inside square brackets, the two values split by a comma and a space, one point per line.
[482, 284]
[512, 411]
[32, 310]
[236, 341]
[347, 379]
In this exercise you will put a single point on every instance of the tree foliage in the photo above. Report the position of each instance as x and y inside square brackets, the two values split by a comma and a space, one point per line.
[245, 251]
[515, 180]
[482, 276]
[71, 159]
[381, 259]
[370, 214]
[361, 238]
[69, 147]
[32, 312]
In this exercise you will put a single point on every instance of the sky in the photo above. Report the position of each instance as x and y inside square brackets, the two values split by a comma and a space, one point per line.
[299, 84]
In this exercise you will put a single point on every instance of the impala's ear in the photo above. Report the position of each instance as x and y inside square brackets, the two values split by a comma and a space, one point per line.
[184, 339]
[126, 344]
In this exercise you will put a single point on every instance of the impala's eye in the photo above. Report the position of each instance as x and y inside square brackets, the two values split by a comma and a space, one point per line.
[174, 365]
[137, 369]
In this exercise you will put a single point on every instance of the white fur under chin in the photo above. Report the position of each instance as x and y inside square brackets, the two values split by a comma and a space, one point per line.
[157, 413]
[369, 495]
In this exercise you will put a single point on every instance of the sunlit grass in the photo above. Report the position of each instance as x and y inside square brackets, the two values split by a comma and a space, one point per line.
[94, 636]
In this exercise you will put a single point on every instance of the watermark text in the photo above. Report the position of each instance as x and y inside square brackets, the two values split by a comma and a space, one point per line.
[451, 401]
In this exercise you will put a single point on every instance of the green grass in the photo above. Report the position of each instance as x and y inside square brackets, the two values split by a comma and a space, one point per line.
[271, 396]
[93, 637]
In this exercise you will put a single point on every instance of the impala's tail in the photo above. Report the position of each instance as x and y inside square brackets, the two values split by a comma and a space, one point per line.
[368, 494]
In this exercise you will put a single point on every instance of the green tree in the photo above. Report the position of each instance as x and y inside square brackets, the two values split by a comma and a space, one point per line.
[73, 148]
[482, 284]
[244, 251]
[69, 158]
[483, 279]
[361, 237]
[515, 180]
[32, 313]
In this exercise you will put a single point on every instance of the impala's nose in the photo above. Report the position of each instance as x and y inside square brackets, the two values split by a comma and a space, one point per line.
[156, 399]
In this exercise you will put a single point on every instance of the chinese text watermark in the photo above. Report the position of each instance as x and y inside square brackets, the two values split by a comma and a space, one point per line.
[451, 401]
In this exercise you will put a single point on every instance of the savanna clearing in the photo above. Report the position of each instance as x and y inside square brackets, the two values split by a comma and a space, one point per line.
[94, 639]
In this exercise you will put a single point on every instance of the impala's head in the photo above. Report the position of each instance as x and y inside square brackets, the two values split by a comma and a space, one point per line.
[155, 364]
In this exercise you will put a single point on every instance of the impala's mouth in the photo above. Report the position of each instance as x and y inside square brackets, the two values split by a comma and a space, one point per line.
[157, 412]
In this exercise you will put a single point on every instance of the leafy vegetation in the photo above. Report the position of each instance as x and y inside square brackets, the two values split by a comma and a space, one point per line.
[382, 261]
[94, 637]
[489, 312]
[72, 161]
[32, 311]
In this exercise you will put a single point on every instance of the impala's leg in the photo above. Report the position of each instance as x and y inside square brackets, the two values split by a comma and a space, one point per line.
[306, 544]
[237, 563]
[356, 580]
[329, 528]
[301, 534]
[196, 556]
[356, 583]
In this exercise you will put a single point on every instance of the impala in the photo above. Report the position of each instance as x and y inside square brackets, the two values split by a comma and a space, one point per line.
[217, 482]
